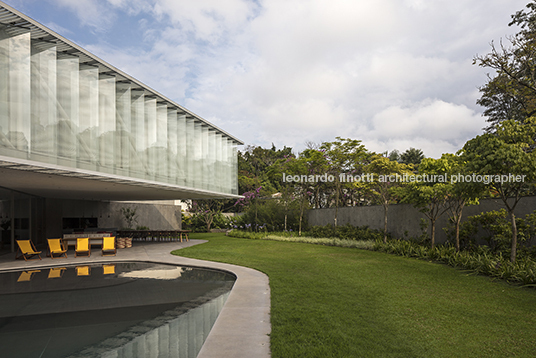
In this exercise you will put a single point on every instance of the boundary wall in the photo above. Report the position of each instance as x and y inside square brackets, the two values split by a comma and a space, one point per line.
[403, 220]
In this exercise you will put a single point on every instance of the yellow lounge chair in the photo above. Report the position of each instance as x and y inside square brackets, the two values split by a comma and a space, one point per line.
[55, 247]
[27, 250]
[56, 272]
[108, 246]
[108, 269]
[83, 270]
[27, 275]
[82, 247]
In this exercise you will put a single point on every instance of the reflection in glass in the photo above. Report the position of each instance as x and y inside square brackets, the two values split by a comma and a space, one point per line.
[58, 108]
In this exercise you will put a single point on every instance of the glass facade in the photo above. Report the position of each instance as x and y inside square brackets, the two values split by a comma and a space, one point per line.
[56, 107]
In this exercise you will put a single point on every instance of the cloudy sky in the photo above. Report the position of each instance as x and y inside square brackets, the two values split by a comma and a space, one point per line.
[392, 73]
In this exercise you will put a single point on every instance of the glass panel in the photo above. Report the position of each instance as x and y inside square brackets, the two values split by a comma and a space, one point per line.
[220, 174]
[234, 168]
[198, 155]
[227, 164]
[204, 158]
[15, 89]
[123, 128]
[190, 152]
[89, 117]
[138, 144]
[211, 160]
[181, 150]
[172, 128]
[160, 146]
[150, 134]
[43, 103]
[68, 107]
[106, 129]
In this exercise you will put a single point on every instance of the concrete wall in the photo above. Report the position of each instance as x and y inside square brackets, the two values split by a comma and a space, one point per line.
[155, 216]
[404, 220]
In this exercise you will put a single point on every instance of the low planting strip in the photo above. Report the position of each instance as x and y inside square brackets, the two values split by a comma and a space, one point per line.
[523, 271]
[358, 244]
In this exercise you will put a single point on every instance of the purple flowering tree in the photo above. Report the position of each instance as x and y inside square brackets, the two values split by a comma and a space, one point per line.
[206, 210]
[250, 200]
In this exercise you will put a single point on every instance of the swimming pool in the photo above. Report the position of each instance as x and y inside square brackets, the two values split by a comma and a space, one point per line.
[126, 309]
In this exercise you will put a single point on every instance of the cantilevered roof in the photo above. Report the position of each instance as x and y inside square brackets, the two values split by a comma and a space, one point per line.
[16, 23]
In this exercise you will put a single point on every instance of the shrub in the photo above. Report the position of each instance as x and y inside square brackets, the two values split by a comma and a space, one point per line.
[286, 236]
[197, 223]
[346, 232]
[246, 234]
[322, 231]
[481, 260]
[495, 229]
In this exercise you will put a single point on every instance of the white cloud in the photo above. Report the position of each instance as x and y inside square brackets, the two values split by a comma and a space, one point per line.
[207, 20]
[91, 13]
[132, 7]
[434, 126]
[59, 29]
[395, 74]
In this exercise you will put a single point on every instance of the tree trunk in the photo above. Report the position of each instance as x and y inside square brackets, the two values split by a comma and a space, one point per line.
[209, 220]
[432, 236]
[336, 204]
[458, 220]
[385, 208]
[256, 222]
[301, 217]
[514, 237]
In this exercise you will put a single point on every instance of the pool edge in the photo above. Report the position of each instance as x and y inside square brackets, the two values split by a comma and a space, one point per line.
[243, 326]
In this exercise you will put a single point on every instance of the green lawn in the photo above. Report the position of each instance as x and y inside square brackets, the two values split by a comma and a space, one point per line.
[341, 302]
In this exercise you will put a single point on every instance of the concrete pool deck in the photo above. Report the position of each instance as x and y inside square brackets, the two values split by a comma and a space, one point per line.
[243, 326]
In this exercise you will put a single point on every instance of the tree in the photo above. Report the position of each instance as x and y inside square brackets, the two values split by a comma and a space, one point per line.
[130, 217]
[394, 155]
[429, 195]
[511, 94]
[317, 164]
[412, 156]
[296, 191]
[253, 168]
[345, 156]
[506, 162]
[459, 192]
[382, 182]
[206, 210]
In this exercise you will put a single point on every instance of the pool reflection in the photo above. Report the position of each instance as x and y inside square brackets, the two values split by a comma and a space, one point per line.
[110, 310]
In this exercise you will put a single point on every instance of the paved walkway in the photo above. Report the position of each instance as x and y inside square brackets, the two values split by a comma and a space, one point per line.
[243, 326]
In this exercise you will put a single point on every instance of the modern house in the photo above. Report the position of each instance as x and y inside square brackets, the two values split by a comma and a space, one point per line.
[77, 133]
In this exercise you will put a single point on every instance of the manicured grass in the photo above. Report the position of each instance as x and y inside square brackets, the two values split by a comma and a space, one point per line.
[343, 302]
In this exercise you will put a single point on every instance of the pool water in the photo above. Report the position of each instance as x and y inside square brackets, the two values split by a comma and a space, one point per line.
[127, 309]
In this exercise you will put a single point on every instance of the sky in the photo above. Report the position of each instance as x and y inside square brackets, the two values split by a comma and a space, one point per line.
[394, 74]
